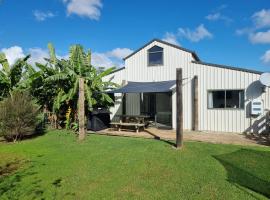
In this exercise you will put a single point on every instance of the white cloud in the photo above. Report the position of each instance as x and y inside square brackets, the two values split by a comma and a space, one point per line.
[119, 53]
[84, 8]
[42, 16]
[38, 55]
[266, 58]
[105, 59]
[196, 35]
[260, 37]
[213, 17]
[101, 60]
[13, 54]
[218, 16]
[261, 19]
[256, 33]
[110, 58]
[170, 38]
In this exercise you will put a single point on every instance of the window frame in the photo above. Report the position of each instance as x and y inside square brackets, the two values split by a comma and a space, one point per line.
[213, 90]
[162, 57]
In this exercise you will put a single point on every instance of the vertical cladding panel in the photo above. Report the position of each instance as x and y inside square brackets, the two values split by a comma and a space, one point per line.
[133, 104]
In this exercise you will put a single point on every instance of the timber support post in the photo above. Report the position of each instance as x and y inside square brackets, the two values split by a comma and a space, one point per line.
[179, 108]
[195, 117]
[124, 82]
[81, 110]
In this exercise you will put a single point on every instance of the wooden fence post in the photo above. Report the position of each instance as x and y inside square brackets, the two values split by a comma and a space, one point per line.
[195, 117]
[179, 108]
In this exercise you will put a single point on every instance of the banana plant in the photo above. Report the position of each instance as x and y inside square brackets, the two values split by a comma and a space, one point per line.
[85, 84]
[11, 76]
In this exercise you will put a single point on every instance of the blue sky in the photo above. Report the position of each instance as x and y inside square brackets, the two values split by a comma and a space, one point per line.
[234, 33]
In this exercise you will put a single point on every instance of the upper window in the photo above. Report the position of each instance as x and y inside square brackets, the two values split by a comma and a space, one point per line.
[155, 56]
[232, 99]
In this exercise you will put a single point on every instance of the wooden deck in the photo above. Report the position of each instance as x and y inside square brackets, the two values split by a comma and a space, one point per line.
[170, 135]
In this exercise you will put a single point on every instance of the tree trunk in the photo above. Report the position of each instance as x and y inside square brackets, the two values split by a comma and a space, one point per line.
[81, 110]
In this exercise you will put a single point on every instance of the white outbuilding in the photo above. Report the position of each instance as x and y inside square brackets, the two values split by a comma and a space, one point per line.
[216, 97]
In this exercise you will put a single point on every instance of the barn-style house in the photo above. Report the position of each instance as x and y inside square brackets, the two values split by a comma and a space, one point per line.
[215, 97]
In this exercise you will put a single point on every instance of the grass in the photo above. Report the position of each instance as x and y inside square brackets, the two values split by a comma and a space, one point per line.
[56, 166]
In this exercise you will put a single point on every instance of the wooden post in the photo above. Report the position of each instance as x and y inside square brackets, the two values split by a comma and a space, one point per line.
[124, 82]
[81, 109]
[195, 117]
[179, 109]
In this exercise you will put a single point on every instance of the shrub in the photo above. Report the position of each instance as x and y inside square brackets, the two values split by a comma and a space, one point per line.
[19, 116]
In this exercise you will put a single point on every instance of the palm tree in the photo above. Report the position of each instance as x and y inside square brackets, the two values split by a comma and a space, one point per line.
[11, 76]
[85, 83]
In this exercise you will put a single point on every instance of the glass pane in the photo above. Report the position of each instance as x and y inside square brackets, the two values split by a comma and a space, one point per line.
[155, 58]
[216, 99]
[232, 99]
[155, 49]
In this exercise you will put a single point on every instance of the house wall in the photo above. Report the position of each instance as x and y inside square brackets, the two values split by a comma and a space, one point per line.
[209, 77]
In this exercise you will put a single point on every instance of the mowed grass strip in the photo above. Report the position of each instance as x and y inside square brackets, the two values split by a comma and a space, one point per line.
[57, 166]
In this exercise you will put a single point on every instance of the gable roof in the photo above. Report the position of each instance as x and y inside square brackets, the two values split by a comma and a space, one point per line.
[195, 56]
[228, 67]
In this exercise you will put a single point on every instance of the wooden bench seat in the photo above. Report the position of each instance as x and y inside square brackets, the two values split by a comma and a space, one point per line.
[119, 125]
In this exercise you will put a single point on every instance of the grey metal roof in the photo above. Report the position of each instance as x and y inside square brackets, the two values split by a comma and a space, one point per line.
[196, 57]
[228, 67]
[142, 87]
[119, 69]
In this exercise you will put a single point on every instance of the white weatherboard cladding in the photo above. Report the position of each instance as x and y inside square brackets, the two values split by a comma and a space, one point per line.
[209, 78]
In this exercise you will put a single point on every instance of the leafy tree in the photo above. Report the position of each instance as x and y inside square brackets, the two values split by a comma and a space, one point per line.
[11, 76]
[19, 116]
[78, 83]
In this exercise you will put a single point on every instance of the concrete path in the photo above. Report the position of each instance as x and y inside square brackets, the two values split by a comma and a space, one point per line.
[218, 138]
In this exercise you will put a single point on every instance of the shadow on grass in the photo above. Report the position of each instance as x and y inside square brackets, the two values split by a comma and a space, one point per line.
[249, 169]
[156, 137]
[11, 176]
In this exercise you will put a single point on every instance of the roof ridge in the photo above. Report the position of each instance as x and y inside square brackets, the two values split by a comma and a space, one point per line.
[166, 43]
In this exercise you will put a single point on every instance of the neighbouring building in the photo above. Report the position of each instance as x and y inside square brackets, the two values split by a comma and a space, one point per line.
[224, 93]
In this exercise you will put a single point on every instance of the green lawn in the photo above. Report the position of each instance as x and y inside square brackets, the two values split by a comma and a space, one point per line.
[56, 166]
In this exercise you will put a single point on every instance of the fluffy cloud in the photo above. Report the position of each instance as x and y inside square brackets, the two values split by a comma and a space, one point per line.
[13, 54]
[101, 60]
[256, 33]
[84, 8]
[171, 38]
[261, 19]
[106, 59]
[110, 58]
[38, 55]
[213, 17]
[119, 53]
[42, 16]
[266, 58]
[260, 37]
[218, 16]
[196, 35]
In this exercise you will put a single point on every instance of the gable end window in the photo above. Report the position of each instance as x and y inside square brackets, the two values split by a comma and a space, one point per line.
[226, 99]
[155, 56]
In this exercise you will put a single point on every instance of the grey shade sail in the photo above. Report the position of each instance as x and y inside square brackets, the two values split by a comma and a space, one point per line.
[145, 87]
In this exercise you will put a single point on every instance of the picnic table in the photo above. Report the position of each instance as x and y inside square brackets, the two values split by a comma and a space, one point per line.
[131, 121]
